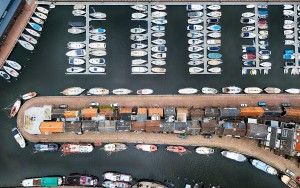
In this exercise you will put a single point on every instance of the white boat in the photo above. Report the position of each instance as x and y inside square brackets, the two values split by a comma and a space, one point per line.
[195, 14]
[195, 20]
[195, 62]
[158, 62]
[195, 48]
[42, 10]
[4, 75]
[194, 27]
[159, 21]
[99, 30]
[76, 30]
[146, 147]
[264, 167]
[234, 156]
[194, 7]
[286, 7]
[40, 15]
[288, 32]
[187, 91]
[252, 90]
[214, 62]
[159, 7]
[195, 56]
[15, 108]
[26, 45]
[98, 15]
[248, 14]
[29, 38]
[98, 37]
[209, 90]
[138, 53]
[214, 14]
[37, 20]
[72, 91]
[75, 45]
[248, 35]
[137, 30]
[114, 147]
[158, 28]
[194, 34]
[94, 69]
[215, 69]
[78, 12]
[98, 53]
[112, 176]
[158, 70]
[272, 90]
[293, 91]
[138, 46]
[266, 64]
[193, 70]
[121, 91]
[76, 53]
[75, 70]
[159, 55]
[76, 61]
[138, 15]
[288, 12]
[288, 26]
[97, 45]
[13, 64]
[18, 137]
[248, 28]
[11, 71]
[79, 6]
[289, 42]
[158, 14]
[214, 34]
[159, 41]
[139, 7]
[138, 61]
[139, 69]
[158, 34]
[32, 32]
[214, 41]
[98, 91]
[148, 184]
[29, 95]
[97, 61]
[288, 22]
[144, 91]
[214, 7]
[231, 90]
[195, 41]
[138, 37]
[159, 48]
[204, 150]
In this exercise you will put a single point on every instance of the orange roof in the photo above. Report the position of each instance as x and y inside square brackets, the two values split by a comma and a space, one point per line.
[125, 110]
[252, 111]
[49, 127]
[71, 114]
[182, 110]
[297, 148]
[156, 111]
[292, 112]
[106, 111]
[89, 112]
[142, 111]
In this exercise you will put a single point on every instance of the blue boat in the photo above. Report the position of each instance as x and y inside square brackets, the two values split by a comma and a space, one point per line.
[98, 30]
[214, 27]
[35, 26]
[288, 56]
[214, 55]
[250, 49]
[263, 12]
[249, 63]
[289, 51]
[213, 48]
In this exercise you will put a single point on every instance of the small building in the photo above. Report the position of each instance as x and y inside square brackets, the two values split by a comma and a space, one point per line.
[287, 144]
[153, 126]
[74, 127]
[122, 125]
[273, 136]
[142, 114]
[125, 116]
[89, 126]
[125, 110]
[180, 127]
[229, 112]
[193, 127]
[143, 111]
[211, 112]
[234, 129]
[196, 113]
[208, 126]
[107, 126]
[155, 113]
[167, 127]
[252, 111]
[106, 111]
[257, 131]
[182, 114]
[71, 113]
[88, 113]
[57, 113]
[138, 126]
[170, 111]
[49, 127]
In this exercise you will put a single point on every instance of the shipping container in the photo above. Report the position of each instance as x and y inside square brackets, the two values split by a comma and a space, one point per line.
[89, 112]
[48, 127]
[292, 112]
[71, 114]
[138, 126]
[153, 126]
[211, 112]
[229, 112]
[74, 127]
[252, 111]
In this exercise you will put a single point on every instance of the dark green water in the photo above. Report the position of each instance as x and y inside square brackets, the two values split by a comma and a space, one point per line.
[44, 72]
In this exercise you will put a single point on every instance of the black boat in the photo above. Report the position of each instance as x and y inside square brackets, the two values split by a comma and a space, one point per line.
[45, 147]
[76, 24]
[82, 180]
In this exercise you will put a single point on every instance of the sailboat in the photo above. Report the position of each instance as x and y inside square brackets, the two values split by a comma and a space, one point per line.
[40, 15]
[37, 20]
[4, 75]
[121, 91]
[188, 91]
[76, 30]
[98, 15]
[209, 90]
[138, 61]
[73, 91]
[11, 71]
[13, 64]
[32, 32]
[29, 38]
[98, 91]
[35, 26]
[26, 45]
[144, 91]
[42, 10]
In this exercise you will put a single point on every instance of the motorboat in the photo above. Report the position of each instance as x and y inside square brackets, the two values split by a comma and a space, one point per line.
[138, 46]
[40, 15]
[98, 91]
[248, 35]
[138, 53]
[159, 41]
[195, 41]
[18, 137]
[250, 6]
[159, 21]
[98, 15]
[147, 184]
[45, 147]
[139, 7]
[76, 53]
[159, 7]
[249, 63]
[114, 147]
[272, 90]
[214, 62]
[115, 184]
[78, 12]
[195, 14]
[249, 56]
[98, 53]
[214, 56]
[194, 27]
[176, 149]
[288, 56]
[194, 7]
[247, 21]
[79, 6]
[138, 37]
[75, 69]
[248, 14]
[213, 7]
[94, 69]
[15, 108]
[234, 156]
[293, 91]
[288, 26]
[98, 37]
[72, 91]
[158, 62]
[76, 30]
[73, 148]
[209, 90]
[158, 34]
[214, 41]
[4, 75]
[82, 180]
[215, 70]
[29, 95]
[36, 26]
[212, 20]
[214, 34]
[138, 61]
[195, 20]
[264, 167]
[159, 48]
[195, 48]
[138, 15]
[252, 90]
[139, 69]
[97, 45]
[43, 182]
[187, 91]
[121, 91]
[42, 10]
[26, 45]
[32, 32]
[231, 90]
[214, 14]
[266, 64]
[137, 30]
[288, 32]
[99, 30]
[204, 150]
[159, 55]
[12, 72]
[113, 176]
[289, 42]
[248, 28]
[97, 61]
[194, 34]
[13, 64]
[286, 7]
[195, 62]
[158, 14]
[195, 56]
[287, 22]
[213, 48]
[146, 147]
[158, 70]
[288, 12]
[214, 27]
[158, 28]
[144, 91]
[75, 45]
[29, 38]
[37, 20]
[195, 70]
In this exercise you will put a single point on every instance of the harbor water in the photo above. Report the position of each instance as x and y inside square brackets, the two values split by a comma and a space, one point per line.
[44, 72]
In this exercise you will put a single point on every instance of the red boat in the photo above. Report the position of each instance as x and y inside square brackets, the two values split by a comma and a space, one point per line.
[249, 56]
[15, 108]
[262, 21]
[76, 148]
[176, 149]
